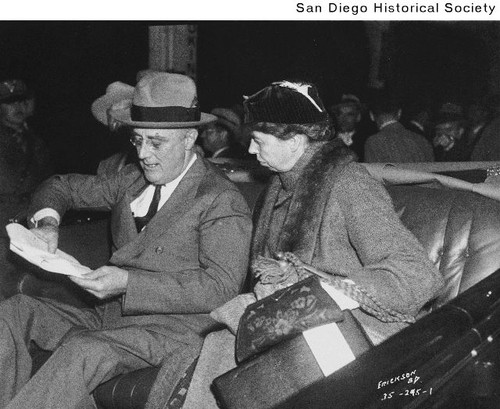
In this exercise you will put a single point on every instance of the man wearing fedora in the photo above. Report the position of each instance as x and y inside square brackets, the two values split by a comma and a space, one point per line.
[180, 236]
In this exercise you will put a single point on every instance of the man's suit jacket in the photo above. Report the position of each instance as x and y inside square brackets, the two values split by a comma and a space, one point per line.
[395, 143]
[191, 258]
[419, 129]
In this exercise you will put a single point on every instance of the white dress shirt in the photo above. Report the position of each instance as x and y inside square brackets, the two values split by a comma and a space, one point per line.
[140, 205]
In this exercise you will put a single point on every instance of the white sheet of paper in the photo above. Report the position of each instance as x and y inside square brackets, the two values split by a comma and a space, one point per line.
[33, 249]
[329, 347]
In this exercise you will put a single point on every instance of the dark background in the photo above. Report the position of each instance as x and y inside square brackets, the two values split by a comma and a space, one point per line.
[69, 64]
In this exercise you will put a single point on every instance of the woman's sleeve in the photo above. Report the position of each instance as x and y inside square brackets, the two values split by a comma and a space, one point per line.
[395, 267]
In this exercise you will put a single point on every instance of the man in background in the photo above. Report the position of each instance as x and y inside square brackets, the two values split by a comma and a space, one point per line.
[417, 116]
[24, 162]
[347, 115]
[393, 142]
[449, 138]
[220, 138]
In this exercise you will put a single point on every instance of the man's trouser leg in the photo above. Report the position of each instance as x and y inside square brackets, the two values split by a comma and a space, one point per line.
[24, 319]
[87, 358]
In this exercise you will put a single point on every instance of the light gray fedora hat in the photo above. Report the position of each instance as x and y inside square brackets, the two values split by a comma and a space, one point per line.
[159, 100]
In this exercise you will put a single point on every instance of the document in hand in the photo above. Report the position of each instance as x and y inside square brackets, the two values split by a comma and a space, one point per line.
[30, 247]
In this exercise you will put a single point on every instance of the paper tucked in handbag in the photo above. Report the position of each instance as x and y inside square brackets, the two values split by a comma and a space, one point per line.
[321, 339]
[33, 249]
[329, 347]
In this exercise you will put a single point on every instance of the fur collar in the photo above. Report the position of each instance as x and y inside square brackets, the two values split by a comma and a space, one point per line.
[309, 197]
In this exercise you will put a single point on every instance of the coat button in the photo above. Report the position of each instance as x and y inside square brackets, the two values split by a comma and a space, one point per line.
[159, 250]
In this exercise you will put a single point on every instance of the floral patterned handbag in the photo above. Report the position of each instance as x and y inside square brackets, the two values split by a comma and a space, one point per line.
[284, 314]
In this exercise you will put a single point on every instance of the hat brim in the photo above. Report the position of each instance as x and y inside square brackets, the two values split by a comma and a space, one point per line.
[115, 93]
[123, 116]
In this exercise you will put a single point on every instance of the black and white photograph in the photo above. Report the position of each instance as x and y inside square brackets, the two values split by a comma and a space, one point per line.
[271, 207]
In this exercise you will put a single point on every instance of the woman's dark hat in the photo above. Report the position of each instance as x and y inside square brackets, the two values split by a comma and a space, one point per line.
[159, 100]
[285, 102]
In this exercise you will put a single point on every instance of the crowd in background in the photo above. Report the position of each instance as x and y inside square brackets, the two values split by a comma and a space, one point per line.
[384, 129]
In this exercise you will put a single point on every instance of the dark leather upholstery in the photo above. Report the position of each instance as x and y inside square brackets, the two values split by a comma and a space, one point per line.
[128, 391]
[460, 230]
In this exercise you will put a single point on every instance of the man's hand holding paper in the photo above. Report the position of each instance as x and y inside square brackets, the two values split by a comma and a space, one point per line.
[33, 246]
[105, 282]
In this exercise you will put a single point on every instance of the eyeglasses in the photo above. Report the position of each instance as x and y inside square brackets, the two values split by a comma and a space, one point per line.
[154, 144]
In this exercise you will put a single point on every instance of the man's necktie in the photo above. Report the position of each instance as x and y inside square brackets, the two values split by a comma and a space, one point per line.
[140, 222]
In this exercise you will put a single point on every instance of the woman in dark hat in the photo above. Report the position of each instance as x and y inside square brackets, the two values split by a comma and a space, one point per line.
[327, 209]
